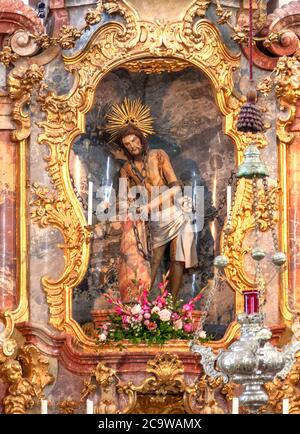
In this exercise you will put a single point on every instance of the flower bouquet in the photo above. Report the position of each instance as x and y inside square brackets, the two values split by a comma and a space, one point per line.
[150, 321]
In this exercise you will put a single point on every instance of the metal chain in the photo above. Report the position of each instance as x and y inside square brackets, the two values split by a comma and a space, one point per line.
[212, 287]
[77, 194]
[270, 213]
[227, 230]
[258, 270]
[146, 255]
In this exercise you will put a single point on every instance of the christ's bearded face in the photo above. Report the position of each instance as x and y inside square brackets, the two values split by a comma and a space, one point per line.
[133, 145]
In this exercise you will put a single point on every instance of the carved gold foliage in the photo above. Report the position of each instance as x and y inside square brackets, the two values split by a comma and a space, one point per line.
[200, 397]
[8, 345]
[48, 207]
[105, 377]
[166, 390]
[287, 90]
[105, 380]
[156, 66]
[20, 394]
[7, 56]
[36, 368]
[68, 35]
[288, 388]
[68, 406]
[24, 369]
[224, 16]
[93, 16]
[167, 377]
[130, 17]
[242, 224]
[196, 10]
[286, 83]
[241, 36]
[265, 86]
[21, 82]
[25, 381]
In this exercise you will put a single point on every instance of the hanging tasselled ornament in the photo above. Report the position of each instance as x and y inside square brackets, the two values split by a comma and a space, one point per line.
[250, 117]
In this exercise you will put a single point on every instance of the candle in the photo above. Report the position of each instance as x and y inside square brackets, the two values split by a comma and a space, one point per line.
[44, 406]
[235, 405]
[251, 302]
[285, 406]
[89, 406]
[77, 174]
[228, 201]
[90, 204]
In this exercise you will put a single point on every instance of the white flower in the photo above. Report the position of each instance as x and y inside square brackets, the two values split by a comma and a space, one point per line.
[136, 309]
[155, 309]
[202, 334]
[178, 324]
[102, 337]
[165, 315]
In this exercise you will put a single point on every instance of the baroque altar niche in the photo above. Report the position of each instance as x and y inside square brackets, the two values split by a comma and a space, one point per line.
[74, 138]
[188, 127]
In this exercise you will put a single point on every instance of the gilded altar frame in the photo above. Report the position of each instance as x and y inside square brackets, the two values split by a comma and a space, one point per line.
[139, 46]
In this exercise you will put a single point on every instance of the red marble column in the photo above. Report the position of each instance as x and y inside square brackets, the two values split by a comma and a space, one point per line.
[8, 183]
[293, 177]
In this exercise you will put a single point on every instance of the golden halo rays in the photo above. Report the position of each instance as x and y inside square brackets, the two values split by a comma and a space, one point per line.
[130, 112]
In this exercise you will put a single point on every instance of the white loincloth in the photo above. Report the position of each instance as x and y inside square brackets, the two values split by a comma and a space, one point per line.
[174, 223]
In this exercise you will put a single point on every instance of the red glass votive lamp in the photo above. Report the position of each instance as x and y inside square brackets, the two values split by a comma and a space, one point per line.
[251, 302]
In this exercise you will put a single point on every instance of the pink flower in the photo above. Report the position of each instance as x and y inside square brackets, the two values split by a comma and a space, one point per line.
[136, 309]
[161, 302]
[145, 296]
[146, 322]
[119, 310]
[178, 324]
[125, 319]
[187, 307]
[165, 315]
[155, 309]
[147, 315]
[152, 326]
[175, 316]
[188, 327]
